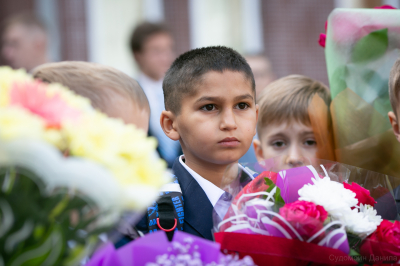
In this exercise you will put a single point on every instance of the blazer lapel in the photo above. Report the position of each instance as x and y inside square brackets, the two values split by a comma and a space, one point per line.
[197, 206]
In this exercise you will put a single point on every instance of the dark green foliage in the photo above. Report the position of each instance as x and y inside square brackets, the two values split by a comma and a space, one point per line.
[54, 227]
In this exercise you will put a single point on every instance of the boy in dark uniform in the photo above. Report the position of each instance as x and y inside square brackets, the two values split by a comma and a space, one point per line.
[209, 96]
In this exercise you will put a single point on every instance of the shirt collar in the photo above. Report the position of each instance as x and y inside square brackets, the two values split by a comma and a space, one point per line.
[212, 191]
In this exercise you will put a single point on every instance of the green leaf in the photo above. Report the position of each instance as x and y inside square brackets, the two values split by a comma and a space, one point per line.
[270, 184]
[370, 47]
[279, 202]
[47, 252]
[59, 208]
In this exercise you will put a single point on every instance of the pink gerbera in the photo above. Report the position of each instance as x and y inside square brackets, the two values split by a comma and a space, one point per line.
[34, 97]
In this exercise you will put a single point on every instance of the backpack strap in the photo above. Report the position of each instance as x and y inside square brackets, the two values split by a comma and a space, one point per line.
[167, 212]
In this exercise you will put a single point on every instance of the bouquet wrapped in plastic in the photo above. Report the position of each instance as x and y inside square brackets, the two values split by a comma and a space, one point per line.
[67, 172]
[361, 48]
[316, 213]
[155, 249]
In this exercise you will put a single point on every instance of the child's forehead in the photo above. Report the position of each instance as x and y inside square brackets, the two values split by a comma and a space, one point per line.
[293, 126]
[215, 82]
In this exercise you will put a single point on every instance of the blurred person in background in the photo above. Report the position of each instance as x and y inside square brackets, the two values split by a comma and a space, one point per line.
[152, 46]
[262, 71]
[263, 75]
[24, 41]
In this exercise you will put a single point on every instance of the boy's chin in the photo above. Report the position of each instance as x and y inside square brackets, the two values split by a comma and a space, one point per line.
[226, 160]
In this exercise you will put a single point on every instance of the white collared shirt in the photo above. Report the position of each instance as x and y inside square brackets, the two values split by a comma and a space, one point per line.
[212, 191]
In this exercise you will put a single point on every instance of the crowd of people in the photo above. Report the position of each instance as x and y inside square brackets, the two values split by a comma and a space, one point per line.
[208, 108]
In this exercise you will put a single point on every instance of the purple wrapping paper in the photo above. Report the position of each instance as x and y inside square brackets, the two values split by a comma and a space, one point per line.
[146, 249]
[291, 180]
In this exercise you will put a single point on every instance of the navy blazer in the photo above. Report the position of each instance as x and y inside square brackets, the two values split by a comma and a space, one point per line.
[197, 207]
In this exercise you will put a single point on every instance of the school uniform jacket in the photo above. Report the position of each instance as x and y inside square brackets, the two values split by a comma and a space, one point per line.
[197, 207]
[198, 210]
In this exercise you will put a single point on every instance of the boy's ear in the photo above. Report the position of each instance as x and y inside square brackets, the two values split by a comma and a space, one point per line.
[168, 124]
[258, 150]
[395, 125]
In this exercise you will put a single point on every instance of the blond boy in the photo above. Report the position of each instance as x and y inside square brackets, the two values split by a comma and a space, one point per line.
[109, 90]
[284, 127]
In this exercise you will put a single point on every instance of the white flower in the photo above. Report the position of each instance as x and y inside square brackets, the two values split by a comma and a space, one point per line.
[361, 222]
[331, 195]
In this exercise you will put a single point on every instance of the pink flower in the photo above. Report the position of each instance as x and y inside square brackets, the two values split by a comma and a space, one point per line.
[322, 39]
[306, 217]
[362, 195]
[35, 97]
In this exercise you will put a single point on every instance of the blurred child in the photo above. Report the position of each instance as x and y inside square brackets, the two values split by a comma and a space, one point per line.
[211, 110]
[394, 96]
[284, 127]
[109, 90]
[262, 70]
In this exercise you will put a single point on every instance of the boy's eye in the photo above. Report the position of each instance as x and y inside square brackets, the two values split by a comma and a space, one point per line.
[208, 107]
[310, 142]
[278, 144]
[242, 106]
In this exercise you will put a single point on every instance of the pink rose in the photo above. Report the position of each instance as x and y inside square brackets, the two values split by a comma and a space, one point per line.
[362, 195]
[383, 245]
[306, 217]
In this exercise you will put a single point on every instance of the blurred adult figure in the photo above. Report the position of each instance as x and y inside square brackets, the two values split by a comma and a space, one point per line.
[24, 41]
[263, 75]
[152, 46]
[262, 71]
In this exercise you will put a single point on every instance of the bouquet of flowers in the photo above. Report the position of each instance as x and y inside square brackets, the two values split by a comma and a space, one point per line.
[318, 213]
[155, 249]
[361, 48]
[67, 172]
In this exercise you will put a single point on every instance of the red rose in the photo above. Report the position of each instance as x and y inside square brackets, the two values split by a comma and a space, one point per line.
[306, 217]
[362, 194]
[383, 245]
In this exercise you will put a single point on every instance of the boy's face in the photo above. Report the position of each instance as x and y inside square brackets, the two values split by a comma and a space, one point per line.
[218, 123]
[157, 55]
[294, 142]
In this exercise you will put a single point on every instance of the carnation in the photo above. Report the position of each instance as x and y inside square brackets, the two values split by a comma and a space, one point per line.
[361, 222]
[331, 195]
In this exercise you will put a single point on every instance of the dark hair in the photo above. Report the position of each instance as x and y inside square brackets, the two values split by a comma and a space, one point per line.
[143, 31]
[187, 70]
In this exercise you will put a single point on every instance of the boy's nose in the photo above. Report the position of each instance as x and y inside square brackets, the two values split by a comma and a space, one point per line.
[294, 157]
[228, 121]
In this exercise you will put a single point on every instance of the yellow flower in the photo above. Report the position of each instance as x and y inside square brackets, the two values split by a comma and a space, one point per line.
[16, 122]
[125, 150]
[7, 77]
[55, 137]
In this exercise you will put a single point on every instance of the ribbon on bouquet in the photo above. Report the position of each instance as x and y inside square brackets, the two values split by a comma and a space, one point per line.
[270, 250]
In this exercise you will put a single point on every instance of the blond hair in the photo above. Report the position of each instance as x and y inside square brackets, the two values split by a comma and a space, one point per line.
[94, 81]
[287, 99]
[394, 85]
